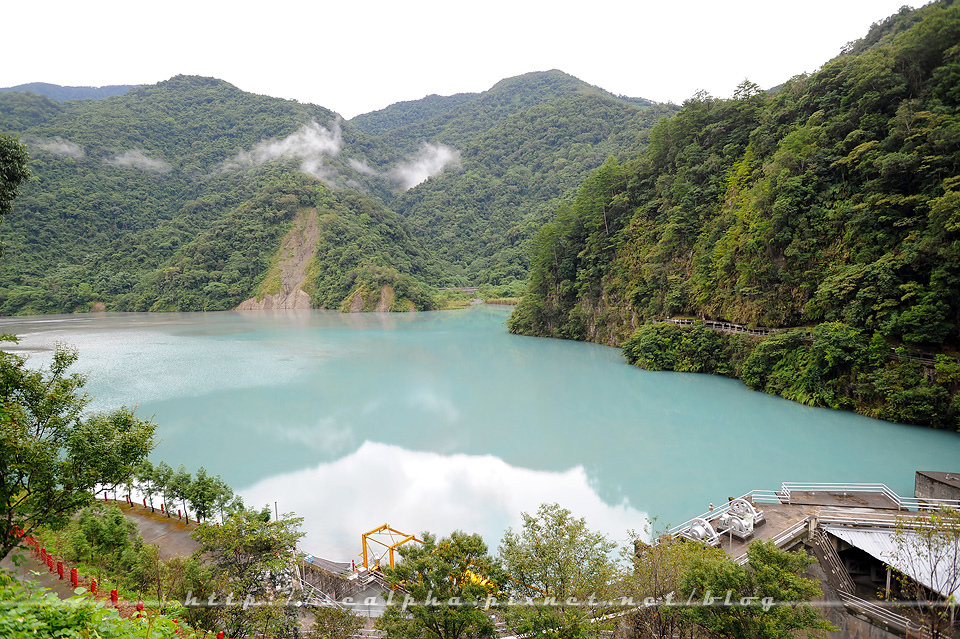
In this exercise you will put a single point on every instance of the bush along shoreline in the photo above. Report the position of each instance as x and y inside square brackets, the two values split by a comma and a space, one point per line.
[831, 365]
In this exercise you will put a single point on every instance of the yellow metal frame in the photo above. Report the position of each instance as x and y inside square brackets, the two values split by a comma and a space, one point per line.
[381, 536]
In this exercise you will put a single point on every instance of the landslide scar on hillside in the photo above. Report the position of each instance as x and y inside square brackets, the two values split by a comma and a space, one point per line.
[282, 288]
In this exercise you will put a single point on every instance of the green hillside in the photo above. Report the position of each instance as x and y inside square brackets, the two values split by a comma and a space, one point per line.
[523, 144]
[830, 205]
[181, 195]
[407, 113]
[482, 218]
[170, 197]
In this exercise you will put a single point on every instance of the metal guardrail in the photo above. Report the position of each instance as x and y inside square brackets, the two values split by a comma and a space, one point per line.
[782, 539]
[837, 517]
[881, 615]
[727, 327]
[830, 559]
[902, 503]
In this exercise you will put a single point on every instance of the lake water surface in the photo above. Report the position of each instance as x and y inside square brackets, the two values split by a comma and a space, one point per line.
[443, 421]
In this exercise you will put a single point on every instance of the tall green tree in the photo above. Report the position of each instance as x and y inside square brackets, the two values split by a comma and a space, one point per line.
[13, 171]
[51, 458]
[769, 594]
[448, 581]
[564, 567]
[253, 560]
[204, 493]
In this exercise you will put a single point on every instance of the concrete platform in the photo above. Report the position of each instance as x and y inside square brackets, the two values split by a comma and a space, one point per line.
[843, 499]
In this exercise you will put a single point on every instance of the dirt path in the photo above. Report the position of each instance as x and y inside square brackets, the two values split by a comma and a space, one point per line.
[171, 535]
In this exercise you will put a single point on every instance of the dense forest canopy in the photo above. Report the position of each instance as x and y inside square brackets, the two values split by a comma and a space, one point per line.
[833, 200]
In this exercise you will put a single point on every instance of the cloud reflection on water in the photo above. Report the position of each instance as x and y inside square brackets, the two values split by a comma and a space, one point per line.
[417, 491]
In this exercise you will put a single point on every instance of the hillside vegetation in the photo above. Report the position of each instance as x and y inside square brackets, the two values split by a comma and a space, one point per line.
[833, 204]
[178, 196]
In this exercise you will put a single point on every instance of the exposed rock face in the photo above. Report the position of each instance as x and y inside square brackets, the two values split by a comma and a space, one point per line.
[365, 300]
[294, 300]
[386, 299]
[296, 252]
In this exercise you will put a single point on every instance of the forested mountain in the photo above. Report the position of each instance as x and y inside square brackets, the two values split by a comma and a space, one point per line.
[62, 94]
[403, 114]
[172, 197]
[832, 205]
[523, 144]
[183, 195]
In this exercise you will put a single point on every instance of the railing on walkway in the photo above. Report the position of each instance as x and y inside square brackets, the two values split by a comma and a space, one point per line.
[928, 359]
[901, 503]
[726, 327]
[830, 560]
[881, 615]
[842, 517]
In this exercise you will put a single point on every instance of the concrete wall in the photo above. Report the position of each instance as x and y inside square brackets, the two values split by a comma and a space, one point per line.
[937, 485]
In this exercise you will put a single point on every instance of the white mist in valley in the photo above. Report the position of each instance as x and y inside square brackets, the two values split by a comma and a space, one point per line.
[430, 160]
[58, 147]
[309, 144]
[137, 159]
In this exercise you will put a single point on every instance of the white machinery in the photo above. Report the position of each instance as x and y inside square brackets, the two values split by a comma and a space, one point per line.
[701, 530]
[745, 510]
[739, 519]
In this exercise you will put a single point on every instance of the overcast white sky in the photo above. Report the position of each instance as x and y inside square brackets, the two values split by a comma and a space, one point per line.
[355, 56]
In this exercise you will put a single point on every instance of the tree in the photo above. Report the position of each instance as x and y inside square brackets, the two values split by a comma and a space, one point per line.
[146, 481]
[181, 487]
[556, 561]
[163, 480]
[13, 171]
[333, 623]
[253, 562]
[204, 493]
[927, 557]
[225, 500]
[449, 581]
[767, 595]
[51, 459]
[657, 572]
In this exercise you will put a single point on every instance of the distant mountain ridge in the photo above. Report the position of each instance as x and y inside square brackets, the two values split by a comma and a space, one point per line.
[64, 93]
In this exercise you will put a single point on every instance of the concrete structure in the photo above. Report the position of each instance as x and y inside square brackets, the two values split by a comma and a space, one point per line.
[937, 485]
[823, 520]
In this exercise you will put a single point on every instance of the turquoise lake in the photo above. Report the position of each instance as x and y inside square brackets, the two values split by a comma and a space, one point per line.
[444, 421]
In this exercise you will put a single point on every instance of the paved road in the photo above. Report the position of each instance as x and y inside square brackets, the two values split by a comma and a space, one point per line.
[170, 534]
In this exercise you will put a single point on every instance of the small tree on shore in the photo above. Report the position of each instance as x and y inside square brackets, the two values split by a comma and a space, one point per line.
[928, 567]
[181, 488]
[147, 481]
[163, 479]
[203, 493]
